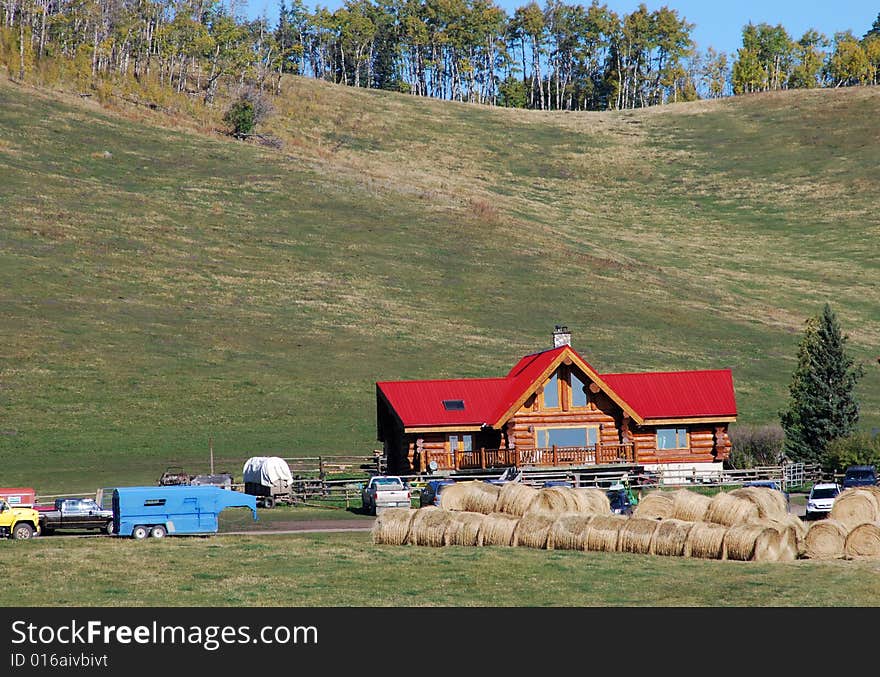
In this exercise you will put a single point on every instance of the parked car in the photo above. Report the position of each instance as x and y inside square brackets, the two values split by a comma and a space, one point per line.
[430, 495]
[821, 500]
[79, 514]
[772, 484]
[860, 476]
[385, 491]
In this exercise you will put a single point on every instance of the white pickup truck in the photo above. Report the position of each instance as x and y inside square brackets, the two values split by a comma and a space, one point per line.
[385, 491]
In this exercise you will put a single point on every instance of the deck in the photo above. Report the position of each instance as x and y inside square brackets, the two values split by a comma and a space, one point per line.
[598, 454]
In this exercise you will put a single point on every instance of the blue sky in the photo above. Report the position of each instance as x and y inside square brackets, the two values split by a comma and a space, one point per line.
[718, 24]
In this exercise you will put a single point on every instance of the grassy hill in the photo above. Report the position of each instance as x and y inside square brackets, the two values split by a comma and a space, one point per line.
[160, 286]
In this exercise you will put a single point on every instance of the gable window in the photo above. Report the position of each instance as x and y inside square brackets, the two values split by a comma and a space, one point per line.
[578, 392]
[672, 438]
[585, 436]
[551, 392]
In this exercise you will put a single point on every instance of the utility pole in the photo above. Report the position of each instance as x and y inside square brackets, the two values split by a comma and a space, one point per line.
[211, 448]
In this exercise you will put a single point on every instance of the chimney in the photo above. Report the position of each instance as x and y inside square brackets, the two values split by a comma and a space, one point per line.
[561, 336]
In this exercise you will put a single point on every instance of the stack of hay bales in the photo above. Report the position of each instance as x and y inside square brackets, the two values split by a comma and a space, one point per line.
[740, 525]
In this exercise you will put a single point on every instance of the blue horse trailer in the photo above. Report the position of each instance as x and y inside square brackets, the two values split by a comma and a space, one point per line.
[159, 511]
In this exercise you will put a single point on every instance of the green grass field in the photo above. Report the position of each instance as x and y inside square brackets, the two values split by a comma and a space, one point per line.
[161, 287]
[345, 569]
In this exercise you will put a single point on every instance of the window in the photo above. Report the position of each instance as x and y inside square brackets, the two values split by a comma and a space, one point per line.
[672, 438]
[453, 405]
[578, 392]
[464, 442]
[551, 393]
[566, 437]
[154, 501]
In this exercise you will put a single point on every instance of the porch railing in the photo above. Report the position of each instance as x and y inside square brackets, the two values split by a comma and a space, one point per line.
[598, 454]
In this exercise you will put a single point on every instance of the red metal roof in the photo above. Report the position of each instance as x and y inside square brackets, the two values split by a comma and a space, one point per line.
[681, 394]
[420, 403]
[676, 394]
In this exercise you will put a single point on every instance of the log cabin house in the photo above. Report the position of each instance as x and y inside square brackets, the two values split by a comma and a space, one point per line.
[554, 409]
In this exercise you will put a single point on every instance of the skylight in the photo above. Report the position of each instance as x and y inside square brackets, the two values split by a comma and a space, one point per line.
[453, 405]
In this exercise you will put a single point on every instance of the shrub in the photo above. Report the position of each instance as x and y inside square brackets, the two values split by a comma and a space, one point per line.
[756, 445]
[860, 448]
[246, 112]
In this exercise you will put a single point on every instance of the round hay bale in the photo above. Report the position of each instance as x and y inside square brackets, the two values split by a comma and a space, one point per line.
[464, 528]
[591, 500]
[771, 504]
[655, 505]
[790, 548]
[498, 529]
[731, 510]
[429, 526]
[670, 537]
[752, 542]
[863, 541]
[636, 535]
[481, 497]
[689, 506]
[793, 530]
[705, 540]
[554, 500]
[854, 506]
[392, 526]
[515, 498]
[533, 530]
[603, 532]
[825, 539]
[452, 497]
[569, 532]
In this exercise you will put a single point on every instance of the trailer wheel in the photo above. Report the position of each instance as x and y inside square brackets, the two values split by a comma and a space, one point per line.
[22, 531]
[140, 532]
[269, 502]
[158, 531]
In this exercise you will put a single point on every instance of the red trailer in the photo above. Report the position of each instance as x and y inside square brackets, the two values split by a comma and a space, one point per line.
[19, 497]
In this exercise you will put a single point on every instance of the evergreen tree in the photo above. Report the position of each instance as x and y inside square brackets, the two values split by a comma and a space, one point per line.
[822, 406]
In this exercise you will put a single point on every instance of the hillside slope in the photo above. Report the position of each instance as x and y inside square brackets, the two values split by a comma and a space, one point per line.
[161, 287]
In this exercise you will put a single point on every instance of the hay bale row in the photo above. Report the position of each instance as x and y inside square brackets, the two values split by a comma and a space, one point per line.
[856, 505]
[655, 505]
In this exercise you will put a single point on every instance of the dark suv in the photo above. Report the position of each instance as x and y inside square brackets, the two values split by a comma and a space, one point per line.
[860, 476]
